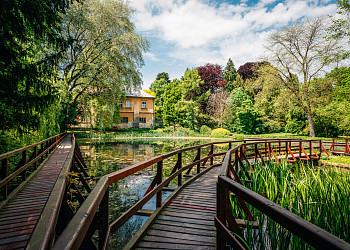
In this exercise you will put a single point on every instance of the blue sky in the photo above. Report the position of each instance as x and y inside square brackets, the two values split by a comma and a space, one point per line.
[191, 33]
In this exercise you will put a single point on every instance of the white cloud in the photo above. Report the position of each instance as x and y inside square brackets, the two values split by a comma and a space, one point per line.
[151, 56]
[200, 32]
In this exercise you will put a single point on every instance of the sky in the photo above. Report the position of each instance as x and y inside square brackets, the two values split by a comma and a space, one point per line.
[190, 33]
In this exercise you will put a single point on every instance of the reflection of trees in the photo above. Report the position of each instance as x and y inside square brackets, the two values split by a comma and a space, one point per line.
[103, 157]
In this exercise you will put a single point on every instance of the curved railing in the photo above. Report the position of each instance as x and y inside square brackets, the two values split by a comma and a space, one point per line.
[93, 213]
[229, 182]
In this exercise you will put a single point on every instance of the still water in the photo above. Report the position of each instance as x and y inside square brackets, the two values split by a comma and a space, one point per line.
[106, 156]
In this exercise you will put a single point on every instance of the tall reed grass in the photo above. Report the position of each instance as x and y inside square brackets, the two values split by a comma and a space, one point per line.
[318, 195]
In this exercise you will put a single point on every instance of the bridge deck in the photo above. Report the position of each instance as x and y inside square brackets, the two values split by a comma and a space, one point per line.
[188, 221]
[19, 218]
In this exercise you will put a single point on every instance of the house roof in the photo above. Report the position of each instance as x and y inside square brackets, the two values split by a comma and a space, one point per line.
[139, 93]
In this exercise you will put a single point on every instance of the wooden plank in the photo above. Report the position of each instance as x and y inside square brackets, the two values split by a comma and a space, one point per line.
[171, 218]
[16, 245]
[14, 239]
[184, 236]
[186, 225]
[190, 210]
[151, 245]
[14, 225]
[181, 229]
[156, 240]
[20, 227]
[190, 216]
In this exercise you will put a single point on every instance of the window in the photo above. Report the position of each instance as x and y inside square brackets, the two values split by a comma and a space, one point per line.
[144, 105]
[120, 104]
[142, 120]
[127, 104]
[124, 120]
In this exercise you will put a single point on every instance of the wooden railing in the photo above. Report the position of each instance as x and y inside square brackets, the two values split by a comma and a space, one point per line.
[37, 156]
[95, 208]
[340, 147]
[308, 232]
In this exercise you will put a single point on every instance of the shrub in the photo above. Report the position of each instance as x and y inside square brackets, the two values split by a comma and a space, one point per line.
[205, 130]
[220, 132]
[272, 126]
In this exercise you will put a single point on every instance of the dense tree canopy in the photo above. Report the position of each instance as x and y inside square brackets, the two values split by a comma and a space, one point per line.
[30, 46]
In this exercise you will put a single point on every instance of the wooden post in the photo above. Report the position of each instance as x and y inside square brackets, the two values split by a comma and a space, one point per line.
[46, 146]
[229, 145]
[212, 152]
[236, 161]
[221, 215]
[42, 150]
[24, 161]
[35, 155]
[286, 150]
[269, 150]
[159, 180]
[198, 158]
[310, 148]
[179, 165]
[320, 149]
[256, 152]
[4, 173]
[300, 149]
[279, 147]
[104, 213]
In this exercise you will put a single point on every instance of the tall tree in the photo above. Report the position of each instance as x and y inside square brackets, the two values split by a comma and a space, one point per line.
[299, 51]
[230, 76]
[171, 97]
[212, 77]
[158, 87]
[106, 52]
[164, 76]
[30, 44]
[218, 105]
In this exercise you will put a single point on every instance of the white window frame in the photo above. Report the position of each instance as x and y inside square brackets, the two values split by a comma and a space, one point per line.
[127, 104]
[120, 104]
[142, 119]
[144, 105]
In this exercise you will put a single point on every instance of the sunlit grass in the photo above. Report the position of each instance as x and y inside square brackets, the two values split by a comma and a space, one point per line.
[337, 159]
[320, 196]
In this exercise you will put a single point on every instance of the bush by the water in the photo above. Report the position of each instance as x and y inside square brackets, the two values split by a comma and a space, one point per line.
[220, 132]
[205, 130]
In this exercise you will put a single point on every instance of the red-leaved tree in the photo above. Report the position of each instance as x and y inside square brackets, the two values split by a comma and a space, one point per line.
[249, 70]
[212, 76]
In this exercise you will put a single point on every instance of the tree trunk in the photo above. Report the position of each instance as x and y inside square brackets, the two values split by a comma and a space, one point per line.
[311, 125]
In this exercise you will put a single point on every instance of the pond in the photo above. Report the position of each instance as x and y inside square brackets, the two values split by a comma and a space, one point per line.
[106, 156]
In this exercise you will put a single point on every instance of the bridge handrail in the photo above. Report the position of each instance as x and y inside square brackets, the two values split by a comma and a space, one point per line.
[23, 164]
[44, 232]
[310, 233]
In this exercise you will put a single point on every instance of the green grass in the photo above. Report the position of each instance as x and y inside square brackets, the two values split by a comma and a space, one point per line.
[320, 196]
[289, 136]
[337, 159]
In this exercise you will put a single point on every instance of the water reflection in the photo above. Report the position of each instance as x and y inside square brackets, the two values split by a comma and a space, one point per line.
[105, 156]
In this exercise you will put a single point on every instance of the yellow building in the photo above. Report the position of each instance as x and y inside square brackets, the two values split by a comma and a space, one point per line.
[137, 111]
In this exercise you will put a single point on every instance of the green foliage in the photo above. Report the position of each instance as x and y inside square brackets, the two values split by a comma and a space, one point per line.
[171, 96]
[164, 76]
[158, 87]
[247, 115]
[272, 126]
[205, 130]
[238, 96]
[30, 46]
[296, 120]
[190, 85]
[230, 76]
[342, 86]
[220, 132]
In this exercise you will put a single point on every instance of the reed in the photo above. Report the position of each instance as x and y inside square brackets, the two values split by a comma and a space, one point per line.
[319, 195]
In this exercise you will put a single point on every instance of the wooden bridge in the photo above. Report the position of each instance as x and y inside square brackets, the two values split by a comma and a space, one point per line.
[38, 213]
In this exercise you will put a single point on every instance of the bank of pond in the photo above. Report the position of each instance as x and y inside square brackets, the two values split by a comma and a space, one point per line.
[318, 194]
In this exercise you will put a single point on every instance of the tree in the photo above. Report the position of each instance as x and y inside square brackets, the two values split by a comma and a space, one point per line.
[211, 75]
[164, 76]
[299, 51]
[218, 105]
[30, 45]
[172, 95]
[158, 87]
[248, 71]
[230, 76]
[105, 54]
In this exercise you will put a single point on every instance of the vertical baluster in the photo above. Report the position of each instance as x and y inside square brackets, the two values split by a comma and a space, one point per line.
[179, 162]
[310, 150]
[286, 150]
[221, 215]
[212, 152]
[198, 158]
[279, 147]
[46, 146]
[24, 161]
[35, 155]
[4, 173]
[236, 161]
[300, 149]
[159, 180]
[320, 149]
[256, 152]
[42, 150]
[104, 217]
